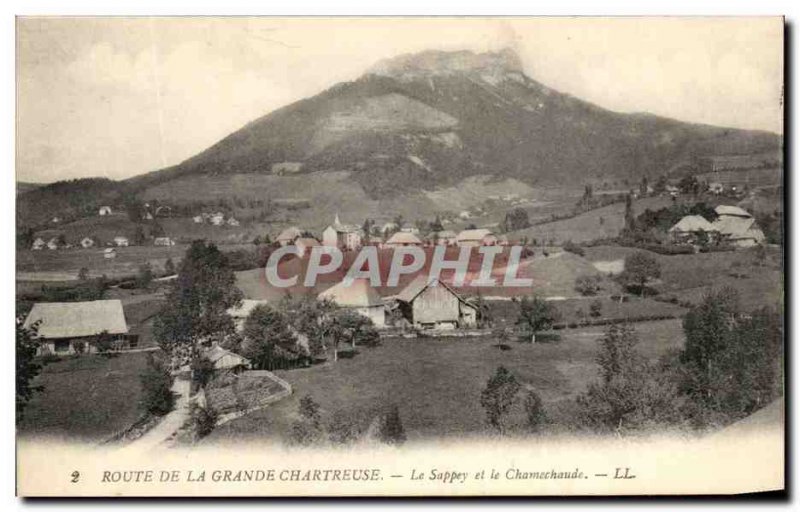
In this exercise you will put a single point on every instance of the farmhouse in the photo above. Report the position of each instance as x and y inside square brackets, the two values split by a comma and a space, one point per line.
[121, 241]
[233, 222]
[288, 236]
[341, 235]
[738, 227]
[87, 242]
[432, 304]
[109, 253]
[693, 229]
[53, 244]
[389, 227]
[217, 219]
[225, 360]
[716, 187]
[304, 245]
[38, 244]
[475, 238]
[198, 219]
[163, 241]
[105, 210]
[63, 325]
[403, 239]
[360, 297]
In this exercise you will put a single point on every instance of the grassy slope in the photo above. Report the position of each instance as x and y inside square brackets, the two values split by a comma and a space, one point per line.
[437, 382]
[88, 398]
[689, 276]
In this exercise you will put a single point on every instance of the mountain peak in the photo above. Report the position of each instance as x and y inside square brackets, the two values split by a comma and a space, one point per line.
[438, 62]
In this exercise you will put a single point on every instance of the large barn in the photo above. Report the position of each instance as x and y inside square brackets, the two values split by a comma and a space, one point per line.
[432, 304]
[63, 325]
[360, 297]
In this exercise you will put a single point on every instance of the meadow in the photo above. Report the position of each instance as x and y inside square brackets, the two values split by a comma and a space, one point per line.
[436, 382]
[86, 398]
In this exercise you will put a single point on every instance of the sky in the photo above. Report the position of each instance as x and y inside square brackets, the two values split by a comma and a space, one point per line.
[118, 97]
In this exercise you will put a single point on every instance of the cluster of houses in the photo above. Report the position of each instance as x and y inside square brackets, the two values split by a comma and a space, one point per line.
[733, 226]
[87, 242]
[351, 237]
[215, 219]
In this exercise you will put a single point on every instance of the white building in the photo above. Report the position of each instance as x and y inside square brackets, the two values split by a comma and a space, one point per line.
[341, 235]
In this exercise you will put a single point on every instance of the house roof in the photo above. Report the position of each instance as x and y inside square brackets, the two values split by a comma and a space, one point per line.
[245, 308]
[404, 238]
[77, 319]
[288, 234]
[419, 284]
[216, 353]
[358, 294]
[692, 223]
[308, 242]
[473, 234]
[739, 228]
[731, 210]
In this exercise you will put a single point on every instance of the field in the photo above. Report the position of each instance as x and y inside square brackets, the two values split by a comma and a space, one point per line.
[436, 383]
[690, 276]
[602, 222]
[87, 398]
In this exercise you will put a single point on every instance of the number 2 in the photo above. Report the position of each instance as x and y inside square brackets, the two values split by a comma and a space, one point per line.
[76, 475]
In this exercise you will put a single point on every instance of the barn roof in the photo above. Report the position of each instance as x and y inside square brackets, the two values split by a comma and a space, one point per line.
[731, 210]
[739, 228]
[419, 284]
[692, 223]
[245, 308]
[473, 234]
[216, 353]
[358, 294]
[77, 319]
[404, 238]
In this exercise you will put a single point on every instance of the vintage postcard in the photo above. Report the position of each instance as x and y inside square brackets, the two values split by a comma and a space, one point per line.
[519, 256]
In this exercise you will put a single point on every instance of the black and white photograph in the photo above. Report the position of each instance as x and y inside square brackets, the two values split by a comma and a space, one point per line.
[386, 256]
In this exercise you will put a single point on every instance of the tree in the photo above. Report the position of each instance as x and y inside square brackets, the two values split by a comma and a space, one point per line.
[536, 314]
[145, 275]
[83, 274]
[169, 267]
[629, 393]
[498, 397]
[138, 235]
[204, 419]
[640, 267]
[643, 186]
[534, 410]
[197, 304]
[367, 229]
[391, 429]
[515, 219]
[309, 316]
[630, 220]
[202, 370]
[103, 343]
[596, 308]
[156, 381]
[435, 226]
[707, 328]
[27, 367]
[268, 340]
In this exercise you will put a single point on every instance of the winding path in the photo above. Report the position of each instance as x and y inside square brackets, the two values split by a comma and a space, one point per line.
[169, 425]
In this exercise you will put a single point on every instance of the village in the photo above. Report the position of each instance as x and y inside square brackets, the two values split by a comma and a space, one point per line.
[285, 346]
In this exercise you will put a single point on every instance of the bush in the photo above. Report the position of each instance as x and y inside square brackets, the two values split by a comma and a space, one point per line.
[342, 428]
[202, 371]
[157, 397]
[534, 410]
[307, 429]
[596, 308]
[587, 285]
[204, 419]
[574, 248]
[498, 396]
